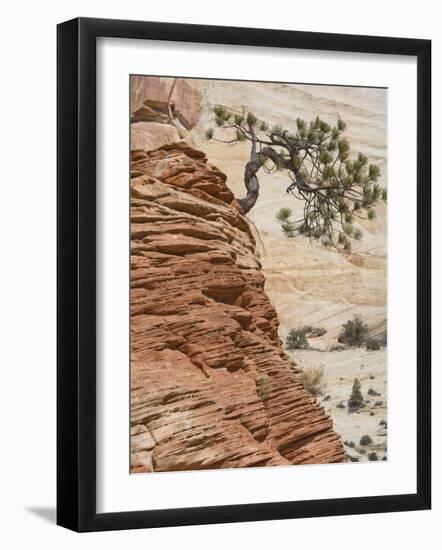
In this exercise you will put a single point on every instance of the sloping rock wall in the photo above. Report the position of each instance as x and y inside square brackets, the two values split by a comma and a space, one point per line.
[210, 384]
[150, 99]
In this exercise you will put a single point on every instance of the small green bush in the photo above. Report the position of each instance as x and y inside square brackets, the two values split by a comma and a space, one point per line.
[356, 400]
[296, 339]
[372, 456]
[373, 344]
[365, 440]
[382, 338]
[350, 444]
[354, 333]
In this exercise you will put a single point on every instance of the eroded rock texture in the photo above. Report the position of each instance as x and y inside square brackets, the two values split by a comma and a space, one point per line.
[211, 385]
[152, 102]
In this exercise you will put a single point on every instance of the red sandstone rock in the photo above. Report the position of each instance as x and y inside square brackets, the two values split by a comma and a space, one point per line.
[211, 386]
[151, 126]
[149, 95]
[150, 135]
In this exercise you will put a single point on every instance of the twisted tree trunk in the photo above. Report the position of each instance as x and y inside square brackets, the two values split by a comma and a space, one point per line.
[251, 180]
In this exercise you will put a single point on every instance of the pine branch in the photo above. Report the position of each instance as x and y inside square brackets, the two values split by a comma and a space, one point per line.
[335, 184]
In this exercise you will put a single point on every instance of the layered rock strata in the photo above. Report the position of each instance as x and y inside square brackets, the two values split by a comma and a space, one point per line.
[211, 386]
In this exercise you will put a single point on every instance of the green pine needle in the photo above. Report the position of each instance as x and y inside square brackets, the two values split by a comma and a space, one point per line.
[348, 229]
[374, 172]
[264, 126]
[251, 119]
[284, 214]
[221, 112]
[357, 234]
[341, 125]
[277, 130]
[347, 246]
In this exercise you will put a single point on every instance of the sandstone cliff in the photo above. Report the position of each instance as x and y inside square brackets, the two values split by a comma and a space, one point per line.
[210, 384]
[152, 102]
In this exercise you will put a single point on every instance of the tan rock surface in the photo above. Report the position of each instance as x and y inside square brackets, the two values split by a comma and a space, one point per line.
[211, 385]
[150, 135]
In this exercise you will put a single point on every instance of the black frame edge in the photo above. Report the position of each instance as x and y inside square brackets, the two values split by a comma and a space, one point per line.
[251, 36]
[423, 140]
[67, 275]
[254, 512]
[76, 272]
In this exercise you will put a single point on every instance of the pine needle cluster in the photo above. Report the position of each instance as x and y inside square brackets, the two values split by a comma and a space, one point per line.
[337, 187]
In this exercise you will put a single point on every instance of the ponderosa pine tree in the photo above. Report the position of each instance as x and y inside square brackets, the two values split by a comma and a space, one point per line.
[335, 186]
